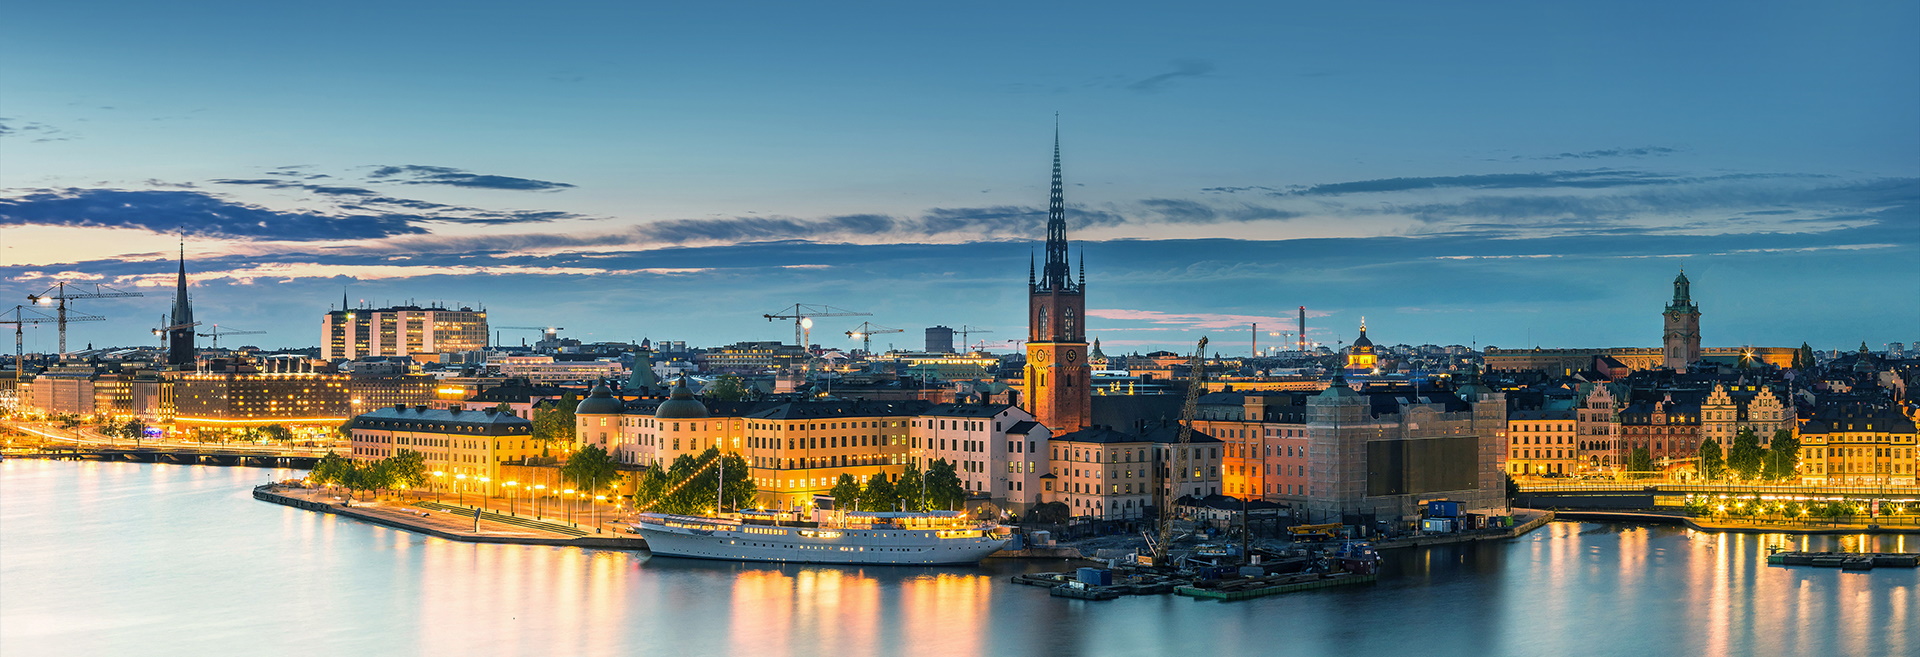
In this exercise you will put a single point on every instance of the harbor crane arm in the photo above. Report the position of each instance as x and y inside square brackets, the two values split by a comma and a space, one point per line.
[1167, 492]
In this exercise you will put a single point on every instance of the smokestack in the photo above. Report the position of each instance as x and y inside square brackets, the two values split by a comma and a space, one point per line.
[1303, 329]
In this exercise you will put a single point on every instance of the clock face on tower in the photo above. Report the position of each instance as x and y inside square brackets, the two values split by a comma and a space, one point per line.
[1072, 356]
[1040, 355]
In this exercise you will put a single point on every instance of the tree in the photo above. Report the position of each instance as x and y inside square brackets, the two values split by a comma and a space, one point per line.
[727, 388]
[330, 470]
[688, 485]
[405, 468]
[1513, 489]
[944, 490]
[553, 421]
[276, 433]
[846, 493]
[1746, 456]
[591, 469]
[1639, 463]
[134, 430]
[1712, 464]
[1803, 359]
[879, 494]
[912, 488]
[1783, 456]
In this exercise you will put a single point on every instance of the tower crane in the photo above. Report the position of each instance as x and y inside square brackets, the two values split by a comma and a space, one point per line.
[551, 332]
[1194, 388]
[164, 330]
[62, 292]
[19, 317]
[865, 332]
[965, 331]
[802, 315]
[217, 332]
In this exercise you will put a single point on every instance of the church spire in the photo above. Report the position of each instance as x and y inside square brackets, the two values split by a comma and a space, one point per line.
[1056, 275]
[180, 348]
[182, 308]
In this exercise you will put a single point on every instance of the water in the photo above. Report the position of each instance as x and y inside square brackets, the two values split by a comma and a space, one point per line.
[137, 559]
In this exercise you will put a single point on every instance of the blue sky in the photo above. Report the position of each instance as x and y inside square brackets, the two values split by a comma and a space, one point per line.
[1494, 174]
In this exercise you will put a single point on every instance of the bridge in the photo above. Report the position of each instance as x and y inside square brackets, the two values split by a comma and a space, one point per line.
[1640, 495]
[264, 458]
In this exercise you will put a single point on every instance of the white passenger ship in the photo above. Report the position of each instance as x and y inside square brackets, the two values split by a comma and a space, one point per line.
[939, 537]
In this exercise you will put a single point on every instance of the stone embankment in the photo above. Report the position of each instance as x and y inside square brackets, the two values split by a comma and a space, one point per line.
[453, 523]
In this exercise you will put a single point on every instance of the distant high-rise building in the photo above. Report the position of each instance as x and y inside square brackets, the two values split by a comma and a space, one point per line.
[1682, 337]
[939, 340]
[180, 336]
[1059, 382]
[351, 333]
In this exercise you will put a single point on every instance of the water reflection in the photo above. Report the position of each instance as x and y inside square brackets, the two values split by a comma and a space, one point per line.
[102, 558]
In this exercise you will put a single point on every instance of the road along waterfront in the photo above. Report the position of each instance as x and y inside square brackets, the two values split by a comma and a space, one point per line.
[158, 559]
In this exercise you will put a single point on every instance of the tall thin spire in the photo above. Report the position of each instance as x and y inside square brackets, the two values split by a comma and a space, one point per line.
[1057, 275]
[180, 348]
[1030, 262]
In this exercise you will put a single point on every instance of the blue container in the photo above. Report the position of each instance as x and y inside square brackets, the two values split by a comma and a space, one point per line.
[1095, 576]
[1443, 509]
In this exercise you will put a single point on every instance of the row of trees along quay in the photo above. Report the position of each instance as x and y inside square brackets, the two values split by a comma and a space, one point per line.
[939, 488]
[1746, 460]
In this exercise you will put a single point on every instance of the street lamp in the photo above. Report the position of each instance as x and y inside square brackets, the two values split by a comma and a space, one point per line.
[539, 495]
[596, 512]
[569, 498]
[511, 507]
[460, 493]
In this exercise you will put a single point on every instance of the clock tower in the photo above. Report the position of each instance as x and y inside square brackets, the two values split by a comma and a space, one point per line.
[1059, 381]
[1681, 341]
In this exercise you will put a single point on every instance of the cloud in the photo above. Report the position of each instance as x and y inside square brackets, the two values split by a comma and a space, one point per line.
[416, 174]
[1643, 151]
[360, 199]
[287, 271]
[1587, 179]
[1185, 68]
[191, 212]
[37, 132]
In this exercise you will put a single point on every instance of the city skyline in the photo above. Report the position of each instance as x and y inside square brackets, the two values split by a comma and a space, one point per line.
[619, 191]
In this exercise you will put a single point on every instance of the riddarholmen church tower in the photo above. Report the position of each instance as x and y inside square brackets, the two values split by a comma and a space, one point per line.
[1059, 379]
[1682, 335]
[180, 352]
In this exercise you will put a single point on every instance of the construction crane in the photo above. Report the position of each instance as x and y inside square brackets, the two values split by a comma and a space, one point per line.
[62, 292]
[551, 332]
[802, 315]
[217, 332]
[19, 317]
[865, 332]
[164, 330]
[1194, 388]
[965, 331]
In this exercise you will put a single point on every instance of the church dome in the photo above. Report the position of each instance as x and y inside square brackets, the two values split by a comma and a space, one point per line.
[599, 402]
[681, 404]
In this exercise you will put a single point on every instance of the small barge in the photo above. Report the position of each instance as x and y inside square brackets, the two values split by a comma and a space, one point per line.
[1846, 560]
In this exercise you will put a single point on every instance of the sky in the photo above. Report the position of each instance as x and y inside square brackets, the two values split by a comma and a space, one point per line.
[1506, 174]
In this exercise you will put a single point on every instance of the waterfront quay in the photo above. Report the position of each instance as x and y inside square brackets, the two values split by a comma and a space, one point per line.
[456, 521]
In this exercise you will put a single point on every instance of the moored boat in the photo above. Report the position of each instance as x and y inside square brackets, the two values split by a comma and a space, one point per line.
[891, 538]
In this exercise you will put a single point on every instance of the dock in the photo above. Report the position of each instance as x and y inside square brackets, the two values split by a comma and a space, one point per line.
[1255, 588]
[1846, 560]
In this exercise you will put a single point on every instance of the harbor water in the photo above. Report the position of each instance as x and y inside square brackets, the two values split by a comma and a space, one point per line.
[154, 559]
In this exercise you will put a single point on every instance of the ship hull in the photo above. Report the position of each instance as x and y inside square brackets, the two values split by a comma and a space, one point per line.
[790, 545]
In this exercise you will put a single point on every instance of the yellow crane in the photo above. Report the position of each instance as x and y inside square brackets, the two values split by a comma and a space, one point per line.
[1168, 492]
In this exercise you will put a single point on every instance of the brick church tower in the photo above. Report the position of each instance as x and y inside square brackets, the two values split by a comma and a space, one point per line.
[1682, 336]
[1059, 379]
